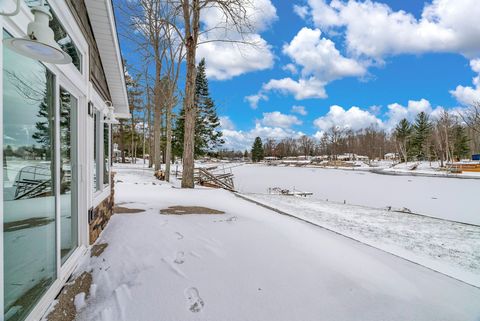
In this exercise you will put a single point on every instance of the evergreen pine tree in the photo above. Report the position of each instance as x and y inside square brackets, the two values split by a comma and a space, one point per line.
[403, 133]
[208, 137]
[422, 130]
[460, 142]
[178, 133]
[257, 150]
[43, 129]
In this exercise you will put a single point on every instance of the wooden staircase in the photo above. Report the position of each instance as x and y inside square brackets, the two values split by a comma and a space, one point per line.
[205, 177]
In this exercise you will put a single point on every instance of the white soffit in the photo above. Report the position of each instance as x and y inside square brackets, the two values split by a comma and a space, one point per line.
[102, 19]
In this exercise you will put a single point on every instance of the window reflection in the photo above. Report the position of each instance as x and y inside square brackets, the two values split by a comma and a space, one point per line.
[96, 127]
[106, 153]
[68, 169]
[29, 201]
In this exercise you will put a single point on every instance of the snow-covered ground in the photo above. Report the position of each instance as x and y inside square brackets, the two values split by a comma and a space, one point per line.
[448, 198]
[250, 264]
[425, 169]
[448, 247]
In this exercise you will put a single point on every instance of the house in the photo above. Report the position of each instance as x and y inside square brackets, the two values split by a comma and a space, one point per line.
[352, 157]
[55, 120]
[391, 156]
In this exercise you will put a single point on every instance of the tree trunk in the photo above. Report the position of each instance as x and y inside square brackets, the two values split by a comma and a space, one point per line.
[190, 114]
[192, 26]
[168, 148]
[150, 140]
[158, 117]
[132, 147]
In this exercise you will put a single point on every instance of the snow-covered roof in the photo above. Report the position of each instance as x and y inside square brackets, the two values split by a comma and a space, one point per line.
[102, 20]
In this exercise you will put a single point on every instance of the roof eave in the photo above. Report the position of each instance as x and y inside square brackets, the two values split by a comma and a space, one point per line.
[105, 33]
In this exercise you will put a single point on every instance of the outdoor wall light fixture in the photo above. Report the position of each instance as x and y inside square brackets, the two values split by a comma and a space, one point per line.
[110, 115]
[39, 43]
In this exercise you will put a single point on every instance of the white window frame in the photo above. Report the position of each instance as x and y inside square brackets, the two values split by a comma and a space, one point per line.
[101, 107]
[77, 83]
[1, 175]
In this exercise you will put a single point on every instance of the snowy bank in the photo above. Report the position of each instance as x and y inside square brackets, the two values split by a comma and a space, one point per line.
[447, 247]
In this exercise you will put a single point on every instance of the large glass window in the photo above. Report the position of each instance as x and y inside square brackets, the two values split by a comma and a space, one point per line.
[29, 197]
[101, 152]
[96, 150]
[106, 153]
[68, 174]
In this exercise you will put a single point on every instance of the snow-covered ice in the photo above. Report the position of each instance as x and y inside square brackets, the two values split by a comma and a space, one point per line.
[448, 247]
[251, 264]
[448, 198]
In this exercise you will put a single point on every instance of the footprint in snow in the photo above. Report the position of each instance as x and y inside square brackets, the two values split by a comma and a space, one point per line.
[195, 302]
[228, 220]
[180, 235]
[179, 258]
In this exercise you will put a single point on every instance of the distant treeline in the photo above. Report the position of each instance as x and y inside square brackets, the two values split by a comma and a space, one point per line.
[450, 137]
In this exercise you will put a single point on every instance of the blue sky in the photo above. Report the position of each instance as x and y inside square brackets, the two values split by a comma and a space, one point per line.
[387, 59]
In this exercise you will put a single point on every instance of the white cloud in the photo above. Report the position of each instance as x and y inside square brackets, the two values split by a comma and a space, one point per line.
[475, 65]
[397, 112]
[301, 11]
[277, 119]
[375, 109]
[319, 57]
[373, 29]
[322, 14]
[320, 64]
[241, 140]
[226, 123]
[260, 14]
[253, 100]
[290, 68]
[299, 110]
[229, 60]
[233, 58]
[353, 118]
[301, 89]
[356, 118]
[467, 95]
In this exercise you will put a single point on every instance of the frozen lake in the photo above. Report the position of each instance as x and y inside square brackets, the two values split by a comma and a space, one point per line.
[448, 198]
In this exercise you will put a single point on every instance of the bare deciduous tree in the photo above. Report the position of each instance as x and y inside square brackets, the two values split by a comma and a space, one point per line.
[235, 18]
[306, 145]
[471, 116]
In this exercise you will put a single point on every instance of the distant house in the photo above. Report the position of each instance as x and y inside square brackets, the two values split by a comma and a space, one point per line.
[391, 156]
[352, 157]
[476, 157]
[56, 180]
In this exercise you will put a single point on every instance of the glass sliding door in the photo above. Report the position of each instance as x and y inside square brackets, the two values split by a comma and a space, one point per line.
[96, 151]
[29, 230]
[68, 174]
[106, 153]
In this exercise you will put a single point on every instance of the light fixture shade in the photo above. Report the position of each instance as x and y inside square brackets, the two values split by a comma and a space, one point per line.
[110, 116]
[39, 43]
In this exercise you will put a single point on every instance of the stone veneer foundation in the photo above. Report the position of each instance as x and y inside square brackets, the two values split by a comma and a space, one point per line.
[102, 213]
